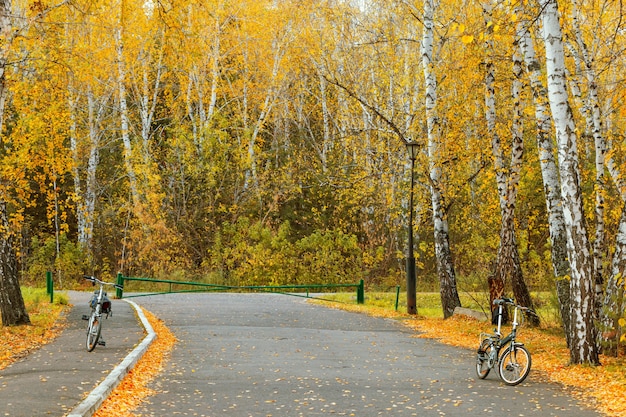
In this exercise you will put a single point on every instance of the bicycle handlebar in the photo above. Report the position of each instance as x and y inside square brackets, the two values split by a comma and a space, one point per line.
[94, 280]
[503, 301]
[509, 301]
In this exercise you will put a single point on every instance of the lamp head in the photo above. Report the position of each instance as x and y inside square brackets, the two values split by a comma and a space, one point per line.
[413, 148]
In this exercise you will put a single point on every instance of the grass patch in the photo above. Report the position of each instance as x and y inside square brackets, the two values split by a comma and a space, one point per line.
[429, 304]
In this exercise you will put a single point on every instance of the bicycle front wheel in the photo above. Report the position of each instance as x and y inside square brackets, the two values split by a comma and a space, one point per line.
[482, 358]
[514, 364]
[93, 332]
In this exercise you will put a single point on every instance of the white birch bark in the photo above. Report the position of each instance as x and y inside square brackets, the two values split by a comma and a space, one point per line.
[124, 118]
[147, 93]
[326, 139]
[613, 301]
[549, 170]
[271, 94]
[199, 111]
[86, 206]
[497, 280]
[445, 267]
[550, 177]
[80, 212]
[583, 348]
[509, 240]
[594, 121]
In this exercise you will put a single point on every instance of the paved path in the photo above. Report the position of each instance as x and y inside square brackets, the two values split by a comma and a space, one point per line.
[273, 355]
[53, 380]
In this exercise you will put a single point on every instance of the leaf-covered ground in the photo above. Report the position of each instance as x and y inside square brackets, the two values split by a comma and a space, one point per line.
[47, 321]
[134, 388]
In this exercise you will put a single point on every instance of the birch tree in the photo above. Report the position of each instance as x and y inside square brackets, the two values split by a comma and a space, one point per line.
[497, 280]
[609, 305]
[12, 307]
[445, 267]
[123, 106]
[584, 60]
[583, 347]
[549, 172]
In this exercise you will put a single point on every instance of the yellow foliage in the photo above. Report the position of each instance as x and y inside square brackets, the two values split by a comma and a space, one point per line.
[467, 39]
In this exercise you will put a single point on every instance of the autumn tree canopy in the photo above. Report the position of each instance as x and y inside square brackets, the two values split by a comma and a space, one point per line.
[260, 142]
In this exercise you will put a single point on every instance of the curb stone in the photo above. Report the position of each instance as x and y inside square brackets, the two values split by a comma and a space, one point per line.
[95, 399]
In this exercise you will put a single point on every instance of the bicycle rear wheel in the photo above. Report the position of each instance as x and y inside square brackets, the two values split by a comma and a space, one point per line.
[93, 332]
[482, 358]
[514, 364]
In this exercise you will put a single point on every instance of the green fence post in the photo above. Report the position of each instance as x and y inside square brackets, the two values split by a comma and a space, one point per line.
[360, 293]
[119, 293]
[50, 286]
[397, 296]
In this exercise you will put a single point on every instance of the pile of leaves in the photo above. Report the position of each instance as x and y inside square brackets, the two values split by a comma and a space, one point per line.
[134, 388]
[603, 386]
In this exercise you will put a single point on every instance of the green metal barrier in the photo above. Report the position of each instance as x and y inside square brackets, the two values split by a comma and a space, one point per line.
[202, 287]
[50, 286]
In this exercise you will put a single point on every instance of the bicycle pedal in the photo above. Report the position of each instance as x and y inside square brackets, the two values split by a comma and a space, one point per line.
[85, 317]
[102, 343]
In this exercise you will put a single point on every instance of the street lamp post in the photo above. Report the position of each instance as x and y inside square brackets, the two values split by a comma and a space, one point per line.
[411, 303]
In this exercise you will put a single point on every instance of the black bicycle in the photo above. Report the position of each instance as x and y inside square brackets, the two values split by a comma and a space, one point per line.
[514, 362]
[100, 305]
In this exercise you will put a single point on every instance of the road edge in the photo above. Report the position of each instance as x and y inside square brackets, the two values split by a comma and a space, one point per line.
[96, 397]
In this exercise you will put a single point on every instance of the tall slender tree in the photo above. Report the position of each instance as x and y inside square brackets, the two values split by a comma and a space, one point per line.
[445, 267]
[12, 307]
[497, 279]
[583, 347]
[549, 172]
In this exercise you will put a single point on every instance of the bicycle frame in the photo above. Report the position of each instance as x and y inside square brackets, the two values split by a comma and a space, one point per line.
[492, 344]
[97, 304]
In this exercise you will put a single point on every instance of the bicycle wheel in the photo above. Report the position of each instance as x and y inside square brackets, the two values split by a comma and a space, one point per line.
[482, 358]
[93, 332]
[514, 364]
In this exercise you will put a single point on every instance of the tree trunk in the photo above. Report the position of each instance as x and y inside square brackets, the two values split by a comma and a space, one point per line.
[594, 121]
[445, 268]
[496, 281]
[12, 307]
[518, 284]
[550, 176]
[123, 109]
[613, 305]
[508, 265]
[583, 333]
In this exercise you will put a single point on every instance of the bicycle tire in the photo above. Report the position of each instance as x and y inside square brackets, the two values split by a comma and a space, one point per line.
[515, 364]
[93, 332]
[482, 358]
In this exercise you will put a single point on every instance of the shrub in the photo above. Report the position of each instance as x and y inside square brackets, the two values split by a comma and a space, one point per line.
[247, 253]
[69, 263]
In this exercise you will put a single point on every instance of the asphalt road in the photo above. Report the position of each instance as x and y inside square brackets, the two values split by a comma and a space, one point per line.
[54, 379]
[275, 355]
